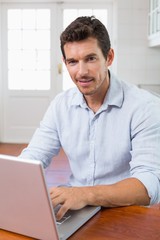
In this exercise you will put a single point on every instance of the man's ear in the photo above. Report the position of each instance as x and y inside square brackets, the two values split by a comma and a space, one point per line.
[110, 57]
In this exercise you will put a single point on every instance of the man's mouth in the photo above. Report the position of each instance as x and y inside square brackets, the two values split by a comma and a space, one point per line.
[84, 81]
[89, 80]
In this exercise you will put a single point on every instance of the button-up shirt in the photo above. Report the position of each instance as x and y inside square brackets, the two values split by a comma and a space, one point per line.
[119, 141]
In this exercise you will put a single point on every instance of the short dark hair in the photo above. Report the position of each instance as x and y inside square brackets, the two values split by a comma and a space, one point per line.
[84, 27]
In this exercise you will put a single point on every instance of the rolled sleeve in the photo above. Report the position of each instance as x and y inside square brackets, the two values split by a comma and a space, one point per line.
[152, 185]
[145, 161]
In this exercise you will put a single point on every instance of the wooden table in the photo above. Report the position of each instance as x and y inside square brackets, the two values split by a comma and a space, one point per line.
[127, 223]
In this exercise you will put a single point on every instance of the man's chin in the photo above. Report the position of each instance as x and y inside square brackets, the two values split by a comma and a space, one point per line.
[86, 92]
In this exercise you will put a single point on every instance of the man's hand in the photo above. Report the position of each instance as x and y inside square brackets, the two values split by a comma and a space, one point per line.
[69, 197]
[123, 193]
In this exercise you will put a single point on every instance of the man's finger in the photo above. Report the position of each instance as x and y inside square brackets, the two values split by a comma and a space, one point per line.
[62, 211]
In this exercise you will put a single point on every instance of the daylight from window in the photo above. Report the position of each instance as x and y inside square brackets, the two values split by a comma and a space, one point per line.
[29, 46]
[29, 49]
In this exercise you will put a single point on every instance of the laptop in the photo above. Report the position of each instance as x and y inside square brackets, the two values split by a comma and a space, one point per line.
[25, 205]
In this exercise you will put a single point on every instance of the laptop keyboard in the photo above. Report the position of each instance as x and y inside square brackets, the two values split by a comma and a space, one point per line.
[64, 218]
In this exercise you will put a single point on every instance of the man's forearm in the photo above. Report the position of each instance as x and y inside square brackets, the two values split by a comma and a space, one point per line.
[126, 192]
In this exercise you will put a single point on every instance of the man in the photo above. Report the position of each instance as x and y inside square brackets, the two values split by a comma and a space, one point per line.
[109, 129]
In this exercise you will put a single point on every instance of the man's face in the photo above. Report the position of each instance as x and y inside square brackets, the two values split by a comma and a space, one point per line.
[87, 66]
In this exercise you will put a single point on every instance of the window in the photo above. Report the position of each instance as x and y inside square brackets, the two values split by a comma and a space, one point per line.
[29, 29]
[29, 49]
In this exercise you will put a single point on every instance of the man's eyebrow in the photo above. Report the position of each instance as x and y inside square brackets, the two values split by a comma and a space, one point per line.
[91, 55]
[87, 56]
[69, 59]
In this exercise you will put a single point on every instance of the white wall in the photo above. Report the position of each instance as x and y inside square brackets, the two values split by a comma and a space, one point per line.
[136, 62]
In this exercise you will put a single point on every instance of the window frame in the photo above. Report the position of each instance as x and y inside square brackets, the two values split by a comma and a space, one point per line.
[53, 49]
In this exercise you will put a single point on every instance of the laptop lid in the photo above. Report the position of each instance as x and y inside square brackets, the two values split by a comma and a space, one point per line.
[25, 205]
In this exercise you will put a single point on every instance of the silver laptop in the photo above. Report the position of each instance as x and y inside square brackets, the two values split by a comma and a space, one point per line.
[25, 205]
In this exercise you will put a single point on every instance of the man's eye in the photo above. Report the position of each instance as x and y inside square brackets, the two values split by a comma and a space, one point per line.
[71, 63]
[92, 59]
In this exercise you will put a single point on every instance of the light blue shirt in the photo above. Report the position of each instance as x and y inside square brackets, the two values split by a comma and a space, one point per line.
[121, 140]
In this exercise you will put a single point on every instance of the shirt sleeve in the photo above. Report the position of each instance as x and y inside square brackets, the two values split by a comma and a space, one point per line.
[45, 143]
[145, 136]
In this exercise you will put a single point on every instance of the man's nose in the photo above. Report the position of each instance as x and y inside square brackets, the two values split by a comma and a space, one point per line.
[83, 69]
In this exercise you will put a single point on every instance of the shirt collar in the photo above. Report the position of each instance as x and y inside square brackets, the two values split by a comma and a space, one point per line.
[78, 99]
[114, 96]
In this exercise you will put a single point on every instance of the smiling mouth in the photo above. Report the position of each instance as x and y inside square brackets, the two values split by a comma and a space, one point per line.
[85, 80]
[85, 83]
